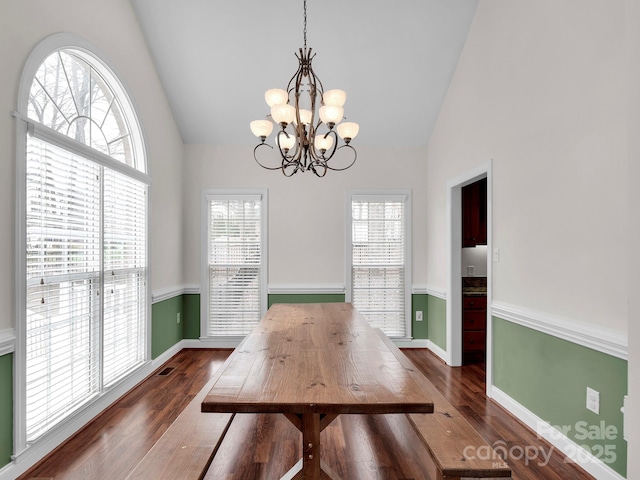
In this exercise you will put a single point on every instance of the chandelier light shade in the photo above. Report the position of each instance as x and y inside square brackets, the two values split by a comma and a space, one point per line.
[261, 128]
[308, 122]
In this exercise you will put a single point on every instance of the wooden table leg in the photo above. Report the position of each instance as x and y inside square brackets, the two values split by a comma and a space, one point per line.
[310, 467]
[311, 446]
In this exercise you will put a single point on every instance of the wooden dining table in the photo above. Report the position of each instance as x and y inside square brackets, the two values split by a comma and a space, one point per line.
[311, 363]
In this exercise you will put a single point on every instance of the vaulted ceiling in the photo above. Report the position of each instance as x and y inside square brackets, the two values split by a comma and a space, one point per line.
[395, 59]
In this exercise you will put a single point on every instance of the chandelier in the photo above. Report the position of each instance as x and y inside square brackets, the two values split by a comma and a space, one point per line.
[307, 138]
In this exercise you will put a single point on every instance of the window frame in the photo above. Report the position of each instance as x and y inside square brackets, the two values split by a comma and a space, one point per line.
[24, 127]
[382, 195]
[206, 197]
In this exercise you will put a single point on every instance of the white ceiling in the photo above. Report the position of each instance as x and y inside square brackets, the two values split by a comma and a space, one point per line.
[395, 60]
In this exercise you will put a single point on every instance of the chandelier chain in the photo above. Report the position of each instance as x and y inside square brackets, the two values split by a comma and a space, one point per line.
[305, 25]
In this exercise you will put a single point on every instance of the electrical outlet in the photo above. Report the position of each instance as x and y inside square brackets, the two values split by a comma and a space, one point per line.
[496, 255]
[418, 315]
[178, 317]
[593, 400]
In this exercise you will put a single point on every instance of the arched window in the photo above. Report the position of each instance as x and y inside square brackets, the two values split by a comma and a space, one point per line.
[83, 194]
[73, 93]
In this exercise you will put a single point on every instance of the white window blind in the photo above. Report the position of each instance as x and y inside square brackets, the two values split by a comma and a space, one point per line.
[379, 261]
[85, 226]
[125, 262]
[235, 264]
[63, 283]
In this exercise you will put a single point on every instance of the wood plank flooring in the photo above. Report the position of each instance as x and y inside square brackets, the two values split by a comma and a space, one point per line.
[264, 447]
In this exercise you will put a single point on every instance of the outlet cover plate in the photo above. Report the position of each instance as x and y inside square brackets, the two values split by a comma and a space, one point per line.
[593, 400]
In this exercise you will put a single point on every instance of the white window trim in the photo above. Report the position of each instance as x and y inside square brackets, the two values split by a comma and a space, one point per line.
[403, 195]
[207, 195]
[26, 126]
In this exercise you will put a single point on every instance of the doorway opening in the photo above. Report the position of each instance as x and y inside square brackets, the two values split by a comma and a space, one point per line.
[469, 333]
[473, 273]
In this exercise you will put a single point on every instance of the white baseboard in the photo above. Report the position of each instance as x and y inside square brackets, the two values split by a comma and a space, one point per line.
[33, 454]
[568, 447]
[230, 342]
[410, 343]
[7, 472]
[439, 352]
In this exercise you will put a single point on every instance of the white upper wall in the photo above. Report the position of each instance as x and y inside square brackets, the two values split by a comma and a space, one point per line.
[307, 214]
[632, 412]
[540, 90]
[111, 26]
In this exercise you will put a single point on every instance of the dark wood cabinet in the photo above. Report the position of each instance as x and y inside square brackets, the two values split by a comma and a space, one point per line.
[474, 214]
[474, 328]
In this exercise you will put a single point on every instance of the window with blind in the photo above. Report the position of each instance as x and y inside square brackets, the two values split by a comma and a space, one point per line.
[85, 237]
[234, 240]
[379, 260]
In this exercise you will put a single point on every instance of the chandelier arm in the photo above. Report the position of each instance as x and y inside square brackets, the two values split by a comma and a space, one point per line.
[299, 72]
[313, 168]
[277, 142]
[311, 134]
[316, 80]
[291, 157]
[312, 150]
[258, 161]
[333, 147]
[317, 155]
[298, 153]
[295, 170]
[305, 135]
[355, 157]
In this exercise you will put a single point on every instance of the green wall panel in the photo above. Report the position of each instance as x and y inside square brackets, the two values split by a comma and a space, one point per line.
[305, 298]
[420, 330]
[6, 409]
[437, 321]
[550, 376]
[191, 309]
[165, 330]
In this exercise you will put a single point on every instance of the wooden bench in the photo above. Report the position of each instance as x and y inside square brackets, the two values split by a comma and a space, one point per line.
[453, 443]
[186, 449]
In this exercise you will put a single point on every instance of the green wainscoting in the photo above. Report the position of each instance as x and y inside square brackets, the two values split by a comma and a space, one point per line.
[420, 330]
[165, 330]
[437, 315]
[305, 298]
[190, 305]
[6, 409]
[549, 376]
[191, 309]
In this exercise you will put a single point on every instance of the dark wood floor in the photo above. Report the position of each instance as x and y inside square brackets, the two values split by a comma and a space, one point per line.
[266, 446]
